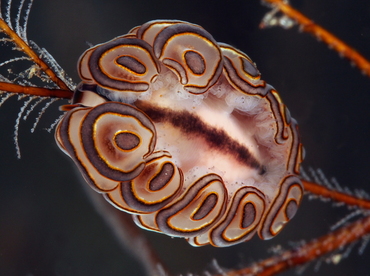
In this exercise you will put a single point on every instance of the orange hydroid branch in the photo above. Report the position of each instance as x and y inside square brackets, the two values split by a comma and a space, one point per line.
[308, 26]
[308, 252]
[323, 191]
[34, 57]
[35, 91]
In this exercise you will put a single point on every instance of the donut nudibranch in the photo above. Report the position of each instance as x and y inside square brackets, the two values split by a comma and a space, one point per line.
[180, 131]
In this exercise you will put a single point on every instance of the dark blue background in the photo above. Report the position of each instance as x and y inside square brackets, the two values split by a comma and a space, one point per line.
[47, 224]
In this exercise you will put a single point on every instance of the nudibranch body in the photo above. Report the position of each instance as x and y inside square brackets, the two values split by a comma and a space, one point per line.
[181, 132]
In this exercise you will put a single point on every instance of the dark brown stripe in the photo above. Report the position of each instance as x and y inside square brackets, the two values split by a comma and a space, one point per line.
[192, 125]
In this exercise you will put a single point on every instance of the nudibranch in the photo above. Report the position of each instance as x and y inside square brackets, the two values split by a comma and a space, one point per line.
[180, 131]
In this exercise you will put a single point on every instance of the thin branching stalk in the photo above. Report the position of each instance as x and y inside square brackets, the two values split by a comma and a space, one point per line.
[308, 26]
[323, 191]
[34, 57]
[308, 252]
[35, 91]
